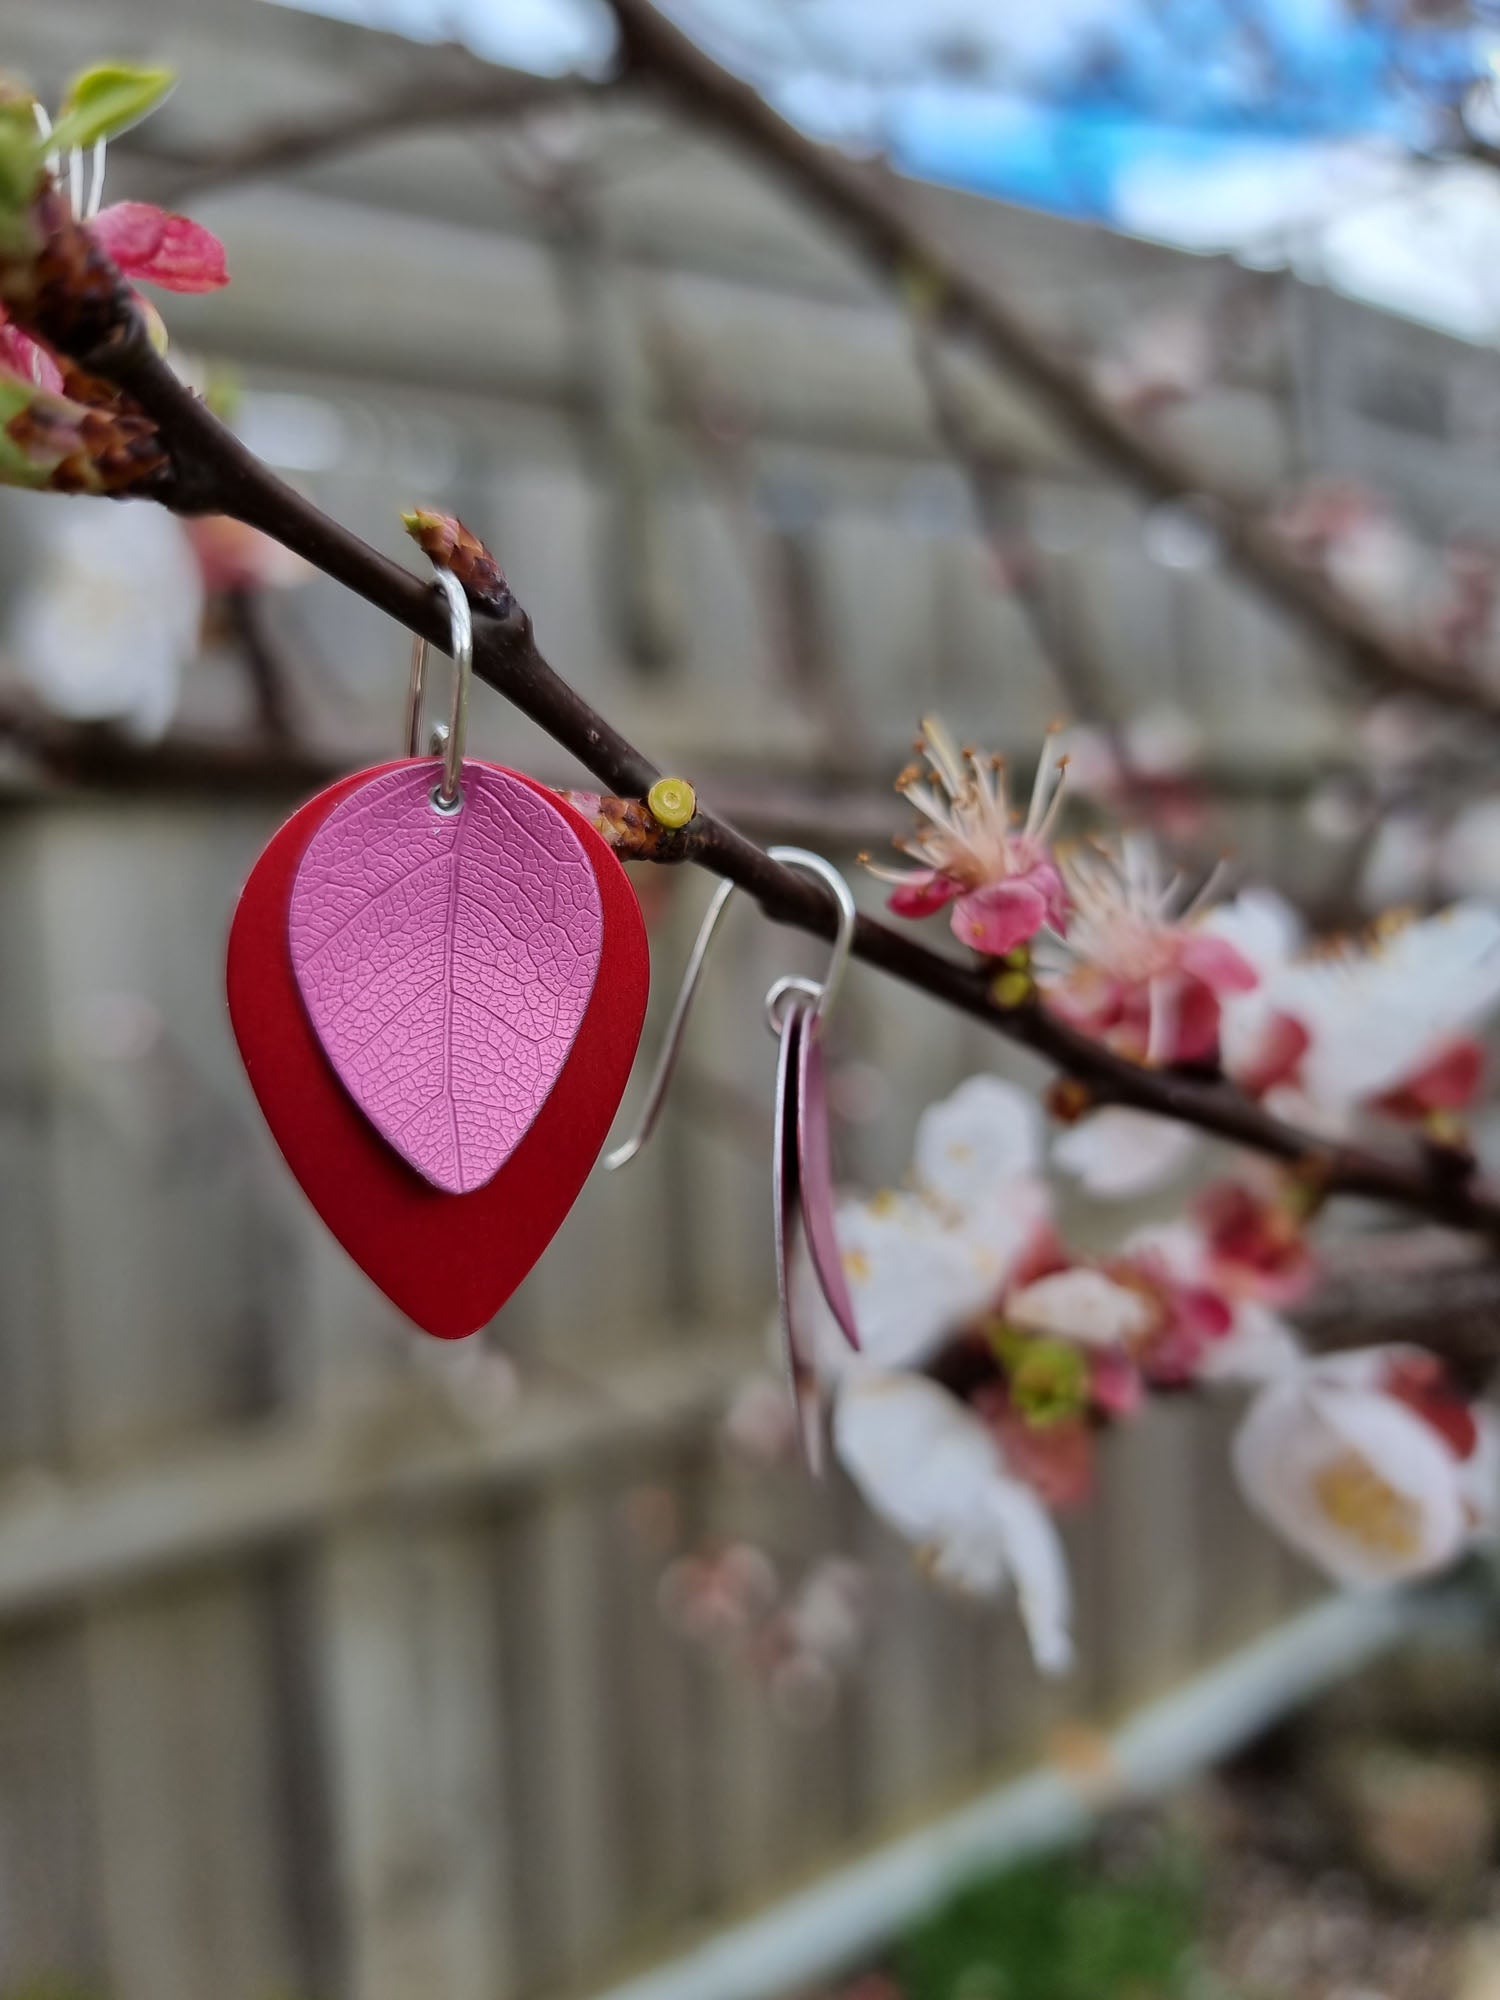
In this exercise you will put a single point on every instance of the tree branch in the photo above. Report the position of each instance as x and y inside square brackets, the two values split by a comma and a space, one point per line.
[871, 213]
[488, 98]
[211, 471]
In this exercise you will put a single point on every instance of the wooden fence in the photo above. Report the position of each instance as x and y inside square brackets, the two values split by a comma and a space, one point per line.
[329, 1670]
[326, 1667]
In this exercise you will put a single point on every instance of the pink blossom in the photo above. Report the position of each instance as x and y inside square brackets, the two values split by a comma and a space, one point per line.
[1346, 531]
[1422, 1382]
[1138, 971]
[1384, 1022]
[1115, 1386]
[233, 557]
[27, 358]
[1187, 1319]
[1055, 1460]
[148, 244]
[1256, 1247]
[999, 876]
[1448, 1080]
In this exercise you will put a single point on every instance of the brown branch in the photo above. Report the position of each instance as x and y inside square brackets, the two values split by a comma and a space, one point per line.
[285, 146]
[871, 212]
[213, 472]
[265, 669]
[1415, 1286]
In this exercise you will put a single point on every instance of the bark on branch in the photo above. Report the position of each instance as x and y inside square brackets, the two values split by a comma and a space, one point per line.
[211, 471]
[873, 214]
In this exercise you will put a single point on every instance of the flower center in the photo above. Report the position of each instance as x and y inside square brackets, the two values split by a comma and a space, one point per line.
[1356, 1500]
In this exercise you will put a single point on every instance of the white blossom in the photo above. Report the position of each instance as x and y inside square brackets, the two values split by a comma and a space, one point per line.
[1350, 1475]
[108, 624]
[930, 1469]
[1082, 1305]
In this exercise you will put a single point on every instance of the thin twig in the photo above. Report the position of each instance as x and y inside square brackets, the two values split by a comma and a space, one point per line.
[873, 215]
[869, 208]
[286, 146]
[211, 471]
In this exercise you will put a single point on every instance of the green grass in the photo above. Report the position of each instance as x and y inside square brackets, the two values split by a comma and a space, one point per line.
[1061, 1929]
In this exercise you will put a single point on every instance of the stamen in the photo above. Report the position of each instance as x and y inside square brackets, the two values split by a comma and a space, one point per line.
[1209, 892]
[1054, 806]
[1162, 1024]
[53, 160]
[76, 198]
[942, 754]
[96, 181]
[928, 803]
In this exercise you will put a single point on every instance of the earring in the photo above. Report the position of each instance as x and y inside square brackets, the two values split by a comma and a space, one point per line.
[437, 977]
[801, 1156]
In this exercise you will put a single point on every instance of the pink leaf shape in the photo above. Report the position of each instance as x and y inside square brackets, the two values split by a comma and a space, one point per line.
[446, 961]
[156, 248]
[802, 1379]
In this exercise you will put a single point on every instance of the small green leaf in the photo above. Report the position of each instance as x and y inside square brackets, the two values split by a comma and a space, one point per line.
[107, 99]
[21, 156]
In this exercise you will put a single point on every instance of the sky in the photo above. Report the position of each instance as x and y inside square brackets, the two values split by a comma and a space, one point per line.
[1288, 130]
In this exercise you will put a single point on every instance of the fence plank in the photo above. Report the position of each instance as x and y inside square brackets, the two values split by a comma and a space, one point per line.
[414, 1719]
[157, 1330]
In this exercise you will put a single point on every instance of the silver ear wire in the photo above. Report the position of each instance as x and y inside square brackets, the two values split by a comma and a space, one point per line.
[671, 1048]
[446, 796]
[822, 993]
[819, 994]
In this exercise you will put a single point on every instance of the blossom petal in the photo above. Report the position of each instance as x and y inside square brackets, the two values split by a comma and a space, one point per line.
[913, 1280]
[930, 1468]
[1378, 1017]
[1262, 1049]
[1351, 1478]
[995, 919]
[982, 1135]
[1218, 963]
[1259, 1347]
[1119, 1152]
[922, 895]
[1082, 1305]
[1047, 878]
[112, 614]
[28, 358]
[154, 247]
[1449, 1080]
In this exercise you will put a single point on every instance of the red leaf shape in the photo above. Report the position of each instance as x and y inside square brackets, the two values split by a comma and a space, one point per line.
[448, 1261]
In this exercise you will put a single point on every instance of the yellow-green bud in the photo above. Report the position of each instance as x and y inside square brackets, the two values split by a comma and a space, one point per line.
[671, 802]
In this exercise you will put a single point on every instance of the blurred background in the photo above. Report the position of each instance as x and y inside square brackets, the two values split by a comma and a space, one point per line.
[334, 1662]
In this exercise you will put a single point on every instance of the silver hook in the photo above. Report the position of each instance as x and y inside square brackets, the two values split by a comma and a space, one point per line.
[666, 1061]
[819, 996]
[822, 995]
[446, 797]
